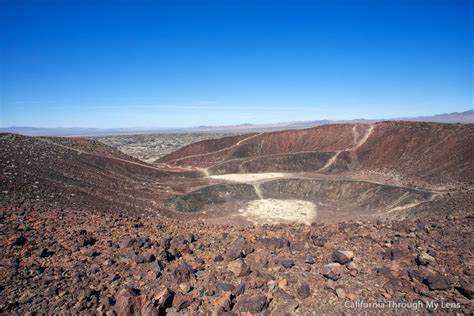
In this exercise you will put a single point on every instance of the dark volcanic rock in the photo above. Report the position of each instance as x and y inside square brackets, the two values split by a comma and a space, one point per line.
[393, 254]
[233, 253]
[44, 252]
[85, 240]
[92, 253]
[147, 257]
[128, 302]
[182, 272]
[127, 242]
[287, 263]
[419, 274]
[224, 287]
[319, 241]
[239, 289]
[303, 291]
[181, 301]
[437, 281]
[467, 289]
[310, 260]
[163, 299]
[223, 303]
[342, 256]
[163, 255]
[274, 243]
[398, 285]
[253, 304]
[155, 266]
[20, 241]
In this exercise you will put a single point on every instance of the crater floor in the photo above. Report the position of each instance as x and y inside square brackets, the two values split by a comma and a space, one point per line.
[278, 197]
[274, 211]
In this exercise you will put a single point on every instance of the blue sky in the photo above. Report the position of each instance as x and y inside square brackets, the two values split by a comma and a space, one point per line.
[176, 63]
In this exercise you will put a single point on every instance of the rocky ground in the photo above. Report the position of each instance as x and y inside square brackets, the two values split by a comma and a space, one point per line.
[152, 147]
[64, 261]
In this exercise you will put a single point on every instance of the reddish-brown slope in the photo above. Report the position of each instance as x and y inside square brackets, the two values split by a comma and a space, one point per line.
[89, 146]
[39, 172]
[430, 152]
[427, 151]
[324, 138]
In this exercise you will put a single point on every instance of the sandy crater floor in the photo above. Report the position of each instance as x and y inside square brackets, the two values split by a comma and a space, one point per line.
[273, 211]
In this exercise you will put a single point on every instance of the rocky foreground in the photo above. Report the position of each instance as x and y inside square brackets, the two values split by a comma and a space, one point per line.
[62, 261]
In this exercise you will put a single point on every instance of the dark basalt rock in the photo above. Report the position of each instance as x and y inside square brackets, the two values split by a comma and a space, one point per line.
[303, 291]
[276, 243]
[437, 281]
[253, 304]
[182, 272]
[20, 241]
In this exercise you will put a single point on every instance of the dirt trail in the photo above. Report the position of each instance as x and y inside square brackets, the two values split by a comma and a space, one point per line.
[402, 207]
[364, 138]
[356, 134]
[180, 168]
[204, 170]
[217, 151]
[256, 187]
[407, 206]
[357, 144]
[330, 161]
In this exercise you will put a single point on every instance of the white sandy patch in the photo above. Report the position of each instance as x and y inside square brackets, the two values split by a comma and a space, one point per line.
[248, 177]
[273, 211]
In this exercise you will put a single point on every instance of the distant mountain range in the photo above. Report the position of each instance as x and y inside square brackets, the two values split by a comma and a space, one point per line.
[466, 117]
[455, 117]
[79, 131]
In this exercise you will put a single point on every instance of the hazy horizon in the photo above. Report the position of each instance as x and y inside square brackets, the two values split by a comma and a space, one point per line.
[157, 127]
[182, 64]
